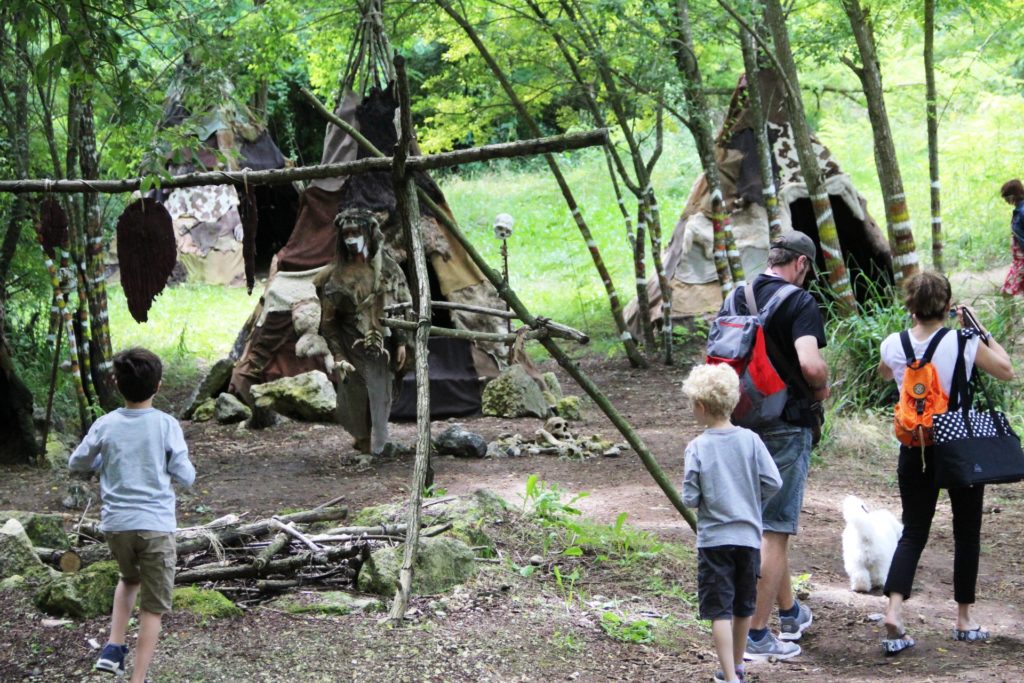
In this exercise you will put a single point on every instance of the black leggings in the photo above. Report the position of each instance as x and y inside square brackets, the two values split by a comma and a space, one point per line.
[919, 496]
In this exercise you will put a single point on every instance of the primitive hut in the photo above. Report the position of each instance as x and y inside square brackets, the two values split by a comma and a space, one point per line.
[456, 366]
[688, 259]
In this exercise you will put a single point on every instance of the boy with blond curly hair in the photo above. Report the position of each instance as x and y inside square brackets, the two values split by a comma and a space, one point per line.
[728, 474]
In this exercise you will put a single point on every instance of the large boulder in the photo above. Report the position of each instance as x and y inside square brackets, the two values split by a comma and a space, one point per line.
[513, 393]
[42, 529]
[441, 563]
[88, 593]
[215, 382]
[309, 396]
[229, 410]
[57, 452]
[17, 554]
[462, 444]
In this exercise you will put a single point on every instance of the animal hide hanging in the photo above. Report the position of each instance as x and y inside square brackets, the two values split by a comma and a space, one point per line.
[146, 253]
[250, 222]
[53, 227]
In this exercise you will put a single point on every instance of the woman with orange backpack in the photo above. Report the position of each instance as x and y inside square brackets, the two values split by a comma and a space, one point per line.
[921, 361]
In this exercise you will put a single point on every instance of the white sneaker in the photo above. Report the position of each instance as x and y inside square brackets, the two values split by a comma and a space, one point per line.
[769, 647]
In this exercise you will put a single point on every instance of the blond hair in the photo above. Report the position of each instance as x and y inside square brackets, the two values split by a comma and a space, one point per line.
[716, 387]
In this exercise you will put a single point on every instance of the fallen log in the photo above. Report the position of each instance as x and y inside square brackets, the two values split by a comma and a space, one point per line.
[288, 565]
[68, 561]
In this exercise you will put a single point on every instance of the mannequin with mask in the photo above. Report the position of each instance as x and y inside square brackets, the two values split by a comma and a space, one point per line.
[353, 292]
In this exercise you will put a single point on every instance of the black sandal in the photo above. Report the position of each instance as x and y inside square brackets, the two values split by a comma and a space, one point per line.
[974, 635]
[894, 646]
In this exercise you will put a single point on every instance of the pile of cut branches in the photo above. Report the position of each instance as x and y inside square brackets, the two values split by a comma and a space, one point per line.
[253, 561]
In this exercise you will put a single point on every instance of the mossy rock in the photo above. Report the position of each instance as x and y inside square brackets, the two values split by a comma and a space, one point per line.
[470, 515]
[12, 583]
[514, 393]
[46, 530]
[17, 553]
[375, 515]
[57, 452]
[328, 603]
[89, 593]
[208, 604]
[205, 411]
[552, 386]
[568, 408]
[441, 564]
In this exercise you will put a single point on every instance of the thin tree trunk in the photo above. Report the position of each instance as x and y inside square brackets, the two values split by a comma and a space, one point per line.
[828, 236]
[629, 344]
[764, 148]
[726, 256]
[897, 215]
[409, 215]
[933, 132]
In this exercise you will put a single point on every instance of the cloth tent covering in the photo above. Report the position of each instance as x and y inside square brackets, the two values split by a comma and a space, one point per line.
[688, 259]
[207, 226]
[270, 336]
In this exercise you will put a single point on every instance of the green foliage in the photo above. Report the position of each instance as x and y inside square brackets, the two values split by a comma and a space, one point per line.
[637, 631]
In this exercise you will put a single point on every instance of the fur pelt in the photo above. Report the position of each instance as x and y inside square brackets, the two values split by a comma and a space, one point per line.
[869, 541]
[146, 251]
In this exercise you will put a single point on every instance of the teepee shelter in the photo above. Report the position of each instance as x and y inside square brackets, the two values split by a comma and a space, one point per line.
[207, 225]
[456, 365]
[688, 259]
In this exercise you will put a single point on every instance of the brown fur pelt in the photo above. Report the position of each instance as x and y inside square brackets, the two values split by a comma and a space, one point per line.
[250, 223]
[53, 227]
[146, 253]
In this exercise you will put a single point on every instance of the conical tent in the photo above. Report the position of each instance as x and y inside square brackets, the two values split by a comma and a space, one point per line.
[456, 365]
[688, 259]
[207, 225]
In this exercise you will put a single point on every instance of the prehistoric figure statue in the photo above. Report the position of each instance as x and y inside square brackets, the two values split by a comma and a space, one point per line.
[353, 293]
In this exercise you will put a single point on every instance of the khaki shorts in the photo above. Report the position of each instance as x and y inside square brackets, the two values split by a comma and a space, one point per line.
[146, 557]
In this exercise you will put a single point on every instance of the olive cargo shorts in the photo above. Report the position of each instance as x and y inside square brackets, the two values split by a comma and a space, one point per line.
[146, 557]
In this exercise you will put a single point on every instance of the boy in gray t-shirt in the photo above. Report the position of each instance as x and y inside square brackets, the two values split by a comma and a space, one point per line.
[138, 451]
[729, 473]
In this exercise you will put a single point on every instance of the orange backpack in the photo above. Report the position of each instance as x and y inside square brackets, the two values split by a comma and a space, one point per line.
[921, 394]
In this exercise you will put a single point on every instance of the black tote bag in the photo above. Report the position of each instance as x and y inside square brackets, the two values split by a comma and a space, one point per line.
[973, 446]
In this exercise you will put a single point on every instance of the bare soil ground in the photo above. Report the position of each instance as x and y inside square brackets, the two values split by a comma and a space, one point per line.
[503, 627]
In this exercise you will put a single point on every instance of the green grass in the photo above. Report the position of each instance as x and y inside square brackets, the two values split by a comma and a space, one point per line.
[198, 321]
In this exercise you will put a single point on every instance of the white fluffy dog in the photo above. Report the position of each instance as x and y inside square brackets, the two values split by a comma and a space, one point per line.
[869, 541]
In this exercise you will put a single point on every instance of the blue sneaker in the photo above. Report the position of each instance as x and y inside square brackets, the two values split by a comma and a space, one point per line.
[791, 628]
[112, 659]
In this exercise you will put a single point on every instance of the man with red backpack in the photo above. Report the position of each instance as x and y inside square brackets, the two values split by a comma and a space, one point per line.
[786, 418]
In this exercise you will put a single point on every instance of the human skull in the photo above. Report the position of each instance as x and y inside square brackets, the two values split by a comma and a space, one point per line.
[503, 226]
[558, 427]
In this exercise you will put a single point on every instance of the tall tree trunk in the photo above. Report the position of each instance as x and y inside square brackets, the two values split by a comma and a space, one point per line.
[828, 236]
[764, 148]
[726, 256]
[17, 430]
[99, 351]
[897, 216]
[933, 132]
[629, 344]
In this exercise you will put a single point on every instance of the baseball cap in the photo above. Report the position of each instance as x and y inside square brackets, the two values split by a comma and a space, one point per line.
[799, 243]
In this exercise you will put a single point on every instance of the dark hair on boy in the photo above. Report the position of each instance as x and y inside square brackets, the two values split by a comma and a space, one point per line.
[138, 372]
[927, 295]
[1012, 189]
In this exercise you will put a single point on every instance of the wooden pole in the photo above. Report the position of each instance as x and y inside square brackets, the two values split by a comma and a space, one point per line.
[409, 215]
[546, 145]
[501, 338]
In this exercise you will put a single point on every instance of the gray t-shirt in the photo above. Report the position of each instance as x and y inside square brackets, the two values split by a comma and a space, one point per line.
[729, 474]
[138, 453]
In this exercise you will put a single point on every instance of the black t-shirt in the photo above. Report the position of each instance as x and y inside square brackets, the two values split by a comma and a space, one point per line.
[797, 316]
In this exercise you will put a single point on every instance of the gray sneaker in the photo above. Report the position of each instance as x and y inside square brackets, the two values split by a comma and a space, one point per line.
[769, 647]
[791, 628]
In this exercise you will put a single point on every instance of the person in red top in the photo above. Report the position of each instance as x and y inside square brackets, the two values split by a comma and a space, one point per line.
[1013, 194]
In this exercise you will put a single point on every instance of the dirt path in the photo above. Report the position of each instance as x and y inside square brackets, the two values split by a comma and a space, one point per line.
[527, 635]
